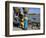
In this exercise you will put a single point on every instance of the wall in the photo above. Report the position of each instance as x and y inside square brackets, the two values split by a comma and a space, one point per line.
[2, 20]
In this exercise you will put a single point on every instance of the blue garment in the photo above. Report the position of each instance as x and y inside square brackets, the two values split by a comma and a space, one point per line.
[18, 23]
[25, 23]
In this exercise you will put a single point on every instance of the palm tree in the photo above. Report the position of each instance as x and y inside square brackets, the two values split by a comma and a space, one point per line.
[25, 10]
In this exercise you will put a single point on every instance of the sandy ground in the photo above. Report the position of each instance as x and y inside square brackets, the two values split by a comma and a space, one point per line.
[29, 28]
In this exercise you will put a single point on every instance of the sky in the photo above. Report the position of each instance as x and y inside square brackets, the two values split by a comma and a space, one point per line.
[34, 10]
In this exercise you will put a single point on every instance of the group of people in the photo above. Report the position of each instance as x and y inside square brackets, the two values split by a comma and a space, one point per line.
[22, 17]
